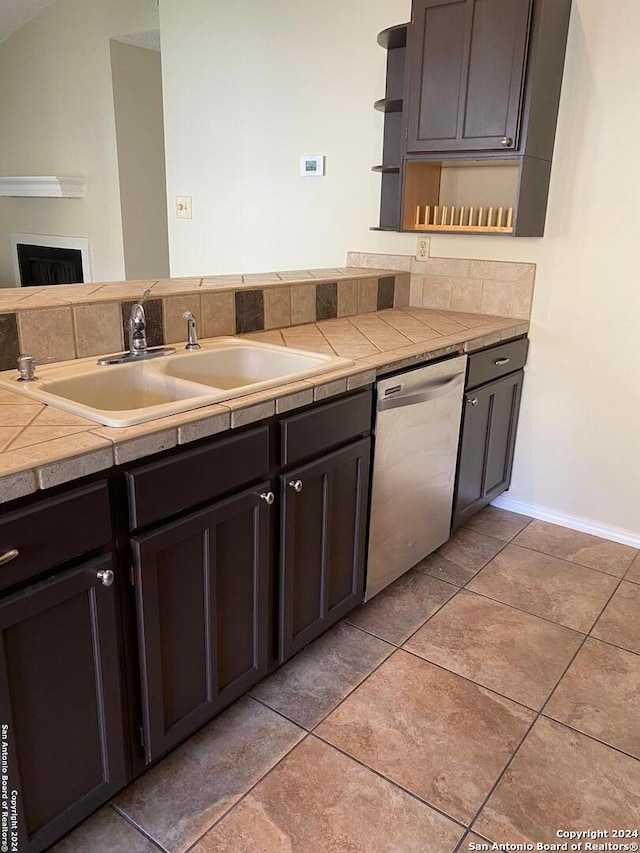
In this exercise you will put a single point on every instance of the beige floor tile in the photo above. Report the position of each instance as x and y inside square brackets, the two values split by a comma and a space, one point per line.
[459, 559]
[546, 586]
[313, 682]
[105, 832]
[320, 800]
[436, 734]
[506, 650]
[179, 799]
[400, 609]
[562, 780]
[600, 696]
[582, 548]
[620, 622]
[498, 522]
[634, 571]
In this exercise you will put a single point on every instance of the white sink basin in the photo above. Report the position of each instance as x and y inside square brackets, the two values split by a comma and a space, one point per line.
[237, 366]
[122, 395]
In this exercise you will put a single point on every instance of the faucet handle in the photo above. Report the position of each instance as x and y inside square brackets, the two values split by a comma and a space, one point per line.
[192, 334]
[27, 366]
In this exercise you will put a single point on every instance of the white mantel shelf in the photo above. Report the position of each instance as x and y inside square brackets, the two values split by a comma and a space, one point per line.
[42, 186]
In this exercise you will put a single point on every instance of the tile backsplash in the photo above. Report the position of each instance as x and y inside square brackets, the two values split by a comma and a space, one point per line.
[79, 321]
[461, 284]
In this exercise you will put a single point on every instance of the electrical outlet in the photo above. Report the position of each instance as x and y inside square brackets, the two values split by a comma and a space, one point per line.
[183, 207]
[422, 249]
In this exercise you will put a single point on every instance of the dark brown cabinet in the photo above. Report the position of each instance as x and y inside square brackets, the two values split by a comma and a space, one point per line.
[489, 423]
[323, 525]
[109, 660]
[202, 597]
[467, 61]
[60, 699]
[481, 98]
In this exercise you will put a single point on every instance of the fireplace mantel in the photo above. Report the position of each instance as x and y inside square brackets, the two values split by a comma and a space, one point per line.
[42, 186]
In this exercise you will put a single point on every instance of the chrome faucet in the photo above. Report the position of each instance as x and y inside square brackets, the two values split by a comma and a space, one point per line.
[138, 348]
[138, 326]
[192, 334]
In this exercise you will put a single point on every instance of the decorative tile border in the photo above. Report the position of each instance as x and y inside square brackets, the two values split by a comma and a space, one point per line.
[76, 321]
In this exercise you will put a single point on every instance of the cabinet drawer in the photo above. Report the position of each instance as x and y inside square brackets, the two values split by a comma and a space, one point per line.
[163, 488]
[52, 531]
[310, 433]
[497, 361]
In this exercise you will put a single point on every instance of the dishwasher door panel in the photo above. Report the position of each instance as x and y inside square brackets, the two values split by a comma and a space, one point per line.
[416, 445]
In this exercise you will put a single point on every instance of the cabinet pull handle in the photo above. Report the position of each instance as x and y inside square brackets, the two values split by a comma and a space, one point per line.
[296, 485]
[106, 576]
[472, 400]
[506, 142]
[499, 362]
[268, 497]
[9, 555]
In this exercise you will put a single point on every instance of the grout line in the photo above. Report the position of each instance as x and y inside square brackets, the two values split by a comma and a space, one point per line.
[613, 645]
[135, 826]
[540, 714]
[249, 790]
[537, 716]
[573, 562]
[392, 782]
[470, 680]
[590, 736]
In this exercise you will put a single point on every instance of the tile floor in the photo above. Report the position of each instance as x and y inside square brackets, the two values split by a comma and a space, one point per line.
[492, 693]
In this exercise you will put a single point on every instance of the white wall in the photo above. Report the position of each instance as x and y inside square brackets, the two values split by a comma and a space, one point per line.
[137, 97]
[56, 106]
[250, 86]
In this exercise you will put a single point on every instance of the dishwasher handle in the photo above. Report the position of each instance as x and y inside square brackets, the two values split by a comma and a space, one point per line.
[431, 392]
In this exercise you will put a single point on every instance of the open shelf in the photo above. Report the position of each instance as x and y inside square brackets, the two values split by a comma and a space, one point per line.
[393, 37]
[461, 196]
[389, 105]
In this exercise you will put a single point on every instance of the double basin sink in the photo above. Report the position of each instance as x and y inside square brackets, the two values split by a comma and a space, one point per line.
[122, 395]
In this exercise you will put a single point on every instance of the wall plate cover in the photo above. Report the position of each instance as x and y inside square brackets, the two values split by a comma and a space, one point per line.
[183, 207]
[312, 166]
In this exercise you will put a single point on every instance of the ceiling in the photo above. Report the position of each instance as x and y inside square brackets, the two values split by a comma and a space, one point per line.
[15, 13]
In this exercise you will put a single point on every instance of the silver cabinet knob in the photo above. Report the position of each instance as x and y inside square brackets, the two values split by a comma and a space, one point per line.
[500, 362]
[506, 142]
[106, 576]
[9, 555]
[268, 497]
[296, 485]
[472, 400]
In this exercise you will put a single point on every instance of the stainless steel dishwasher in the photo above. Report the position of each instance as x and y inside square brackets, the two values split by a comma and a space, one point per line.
[418, 415]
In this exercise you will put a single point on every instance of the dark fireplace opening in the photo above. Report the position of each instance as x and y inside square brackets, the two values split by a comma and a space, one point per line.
[49, 265]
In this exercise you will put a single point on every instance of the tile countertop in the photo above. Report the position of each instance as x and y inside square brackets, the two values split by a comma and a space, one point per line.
[41, 446]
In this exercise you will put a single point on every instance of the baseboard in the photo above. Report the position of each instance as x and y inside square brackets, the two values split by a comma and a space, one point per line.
[616, 534]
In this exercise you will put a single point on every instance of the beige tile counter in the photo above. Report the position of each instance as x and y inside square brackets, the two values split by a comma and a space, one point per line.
[41, 446]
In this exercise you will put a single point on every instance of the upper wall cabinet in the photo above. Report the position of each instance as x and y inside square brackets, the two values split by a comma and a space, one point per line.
[482, 81]
[467, 61]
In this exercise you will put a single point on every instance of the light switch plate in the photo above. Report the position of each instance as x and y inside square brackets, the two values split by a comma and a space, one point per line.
[183, 206]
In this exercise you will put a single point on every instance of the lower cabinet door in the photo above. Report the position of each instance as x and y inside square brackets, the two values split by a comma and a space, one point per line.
[202, 602]
[323, 533]
[490, 419]
[61, 733]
